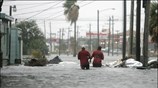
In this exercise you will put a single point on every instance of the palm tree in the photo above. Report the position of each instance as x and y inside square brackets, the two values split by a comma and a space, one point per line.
[71, 12]
[154, 22]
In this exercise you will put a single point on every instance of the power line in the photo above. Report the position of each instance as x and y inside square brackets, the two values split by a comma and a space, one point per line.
[36, 11]
[81, 6]
[58, 12]
[28, 4]
[88, 3]
[43, 10]
[35, 5]
[54, 13]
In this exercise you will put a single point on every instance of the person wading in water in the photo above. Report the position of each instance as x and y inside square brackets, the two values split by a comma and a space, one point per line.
[98, 57]
[84, 56]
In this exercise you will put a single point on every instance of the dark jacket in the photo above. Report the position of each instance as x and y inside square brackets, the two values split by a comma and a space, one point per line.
[83, 56]
[98, 57]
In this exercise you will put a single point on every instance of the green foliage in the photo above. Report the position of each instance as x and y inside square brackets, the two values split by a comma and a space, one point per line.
[37, 54]
[154, 21]
[32, 37]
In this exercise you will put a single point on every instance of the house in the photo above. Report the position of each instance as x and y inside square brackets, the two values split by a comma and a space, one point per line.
[10, 43]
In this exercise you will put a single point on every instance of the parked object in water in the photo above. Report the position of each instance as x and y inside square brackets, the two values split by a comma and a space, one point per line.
[36, 62]
[55, 60]
[153, 63]
[132, 63]
[127, 62]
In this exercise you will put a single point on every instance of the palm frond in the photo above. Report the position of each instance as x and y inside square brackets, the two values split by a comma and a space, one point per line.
[71, 10]
[66, 11]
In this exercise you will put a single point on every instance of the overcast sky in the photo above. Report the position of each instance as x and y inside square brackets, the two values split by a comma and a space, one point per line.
[52, 11]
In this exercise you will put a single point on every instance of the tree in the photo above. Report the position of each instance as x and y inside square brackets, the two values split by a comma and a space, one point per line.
[71, 12]
[154, 22]
[1, 2]
[33, 38]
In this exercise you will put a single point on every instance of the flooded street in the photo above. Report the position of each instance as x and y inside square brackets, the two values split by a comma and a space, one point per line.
[68, 74]
[34, 33]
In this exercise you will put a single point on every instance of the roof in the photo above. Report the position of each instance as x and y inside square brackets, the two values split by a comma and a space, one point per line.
[3, 16]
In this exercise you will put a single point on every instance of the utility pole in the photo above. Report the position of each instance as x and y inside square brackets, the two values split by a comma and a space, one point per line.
[90, 37]
[50, 39]
[60, 42]
[146, 6]
[124, 31]
[45, 28]
[112, 35]
[11, 8]
[62, 35]
[98, 27]
[117, 41]
[10, 25]
[138, 18]
[131, 29]
[109, 37]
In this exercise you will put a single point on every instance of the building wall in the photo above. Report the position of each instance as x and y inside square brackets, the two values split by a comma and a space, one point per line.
[15, 46]
[5, 41]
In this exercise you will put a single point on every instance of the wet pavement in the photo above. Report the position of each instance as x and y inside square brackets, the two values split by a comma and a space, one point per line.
[68, 74]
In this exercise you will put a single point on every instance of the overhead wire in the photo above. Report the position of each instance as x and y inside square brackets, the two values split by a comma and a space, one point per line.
[43, 11]
[36, 5]
[88, 3]
[28, 4]
[54, 13]
[81, 6]
[47, 9]
[35, 11]
[60, 12]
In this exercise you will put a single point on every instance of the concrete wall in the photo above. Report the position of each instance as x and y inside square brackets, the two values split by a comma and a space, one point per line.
[15, 46]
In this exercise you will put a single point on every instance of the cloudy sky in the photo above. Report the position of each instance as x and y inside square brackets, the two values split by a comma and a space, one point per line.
[52, 12]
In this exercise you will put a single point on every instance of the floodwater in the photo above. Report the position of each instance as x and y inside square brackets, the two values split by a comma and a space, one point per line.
[68, 74]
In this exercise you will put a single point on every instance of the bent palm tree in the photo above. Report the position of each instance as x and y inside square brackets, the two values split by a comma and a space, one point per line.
[71, 12]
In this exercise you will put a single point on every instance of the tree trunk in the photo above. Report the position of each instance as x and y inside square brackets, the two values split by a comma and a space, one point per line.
[74, 53]
[131, 29]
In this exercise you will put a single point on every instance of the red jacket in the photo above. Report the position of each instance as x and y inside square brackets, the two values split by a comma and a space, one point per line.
[98, 57]
[83, 56]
